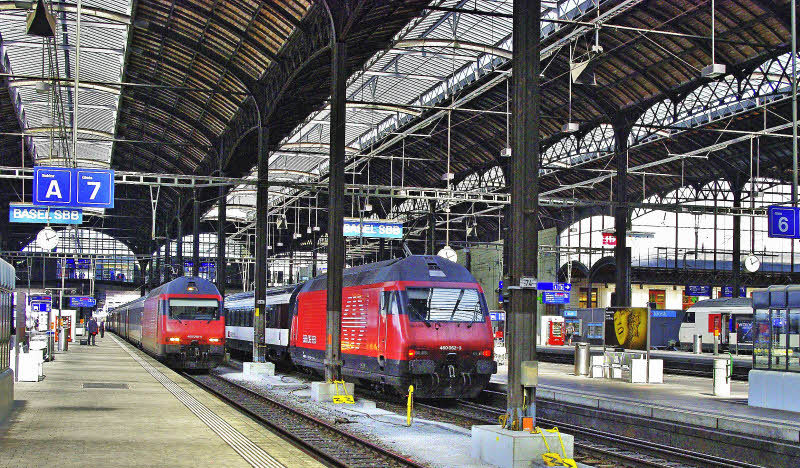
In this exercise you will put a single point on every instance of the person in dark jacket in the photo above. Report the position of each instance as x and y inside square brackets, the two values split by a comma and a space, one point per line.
[91, 328]
[102, 329]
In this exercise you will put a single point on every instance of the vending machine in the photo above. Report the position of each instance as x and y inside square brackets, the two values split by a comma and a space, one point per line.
[556, 333]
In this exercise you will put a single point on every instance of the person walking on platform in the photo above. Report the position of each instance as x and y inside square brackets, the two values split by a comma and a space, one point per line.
[91, 328]
[102, 329]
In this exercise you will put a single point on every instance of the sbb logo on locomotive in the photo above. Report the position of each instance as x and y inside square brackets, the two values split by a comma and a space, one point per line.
[309, 339]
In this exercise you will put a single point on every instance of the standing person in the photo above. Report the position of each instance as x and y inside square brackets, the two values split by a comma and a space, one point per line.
[91, 327]
[102, 329]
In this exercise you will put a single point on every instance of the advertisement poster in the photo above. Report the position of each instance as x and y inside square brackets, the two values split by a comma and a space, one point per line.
[627, 327]
[744, 331]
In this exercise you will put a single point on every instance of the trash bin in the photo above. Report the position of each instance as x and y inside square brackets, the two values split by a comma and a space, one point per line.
[698, 344]
[722, 381]
[582, 361]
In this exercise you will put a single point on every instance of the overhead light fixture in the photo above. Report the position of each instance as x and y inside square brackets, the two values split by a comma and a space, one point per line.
[296, 235]
[714, 70]
[448, 176]
[308, 230]
[570, 127]
[40, 21]
[280, 244]
[505, 153]
[281, 222]
[316, 228]
[367, 207]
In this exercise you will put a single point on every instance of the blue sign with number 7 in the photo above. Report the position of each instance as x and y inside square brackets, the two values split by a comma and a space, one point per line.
[783, 222]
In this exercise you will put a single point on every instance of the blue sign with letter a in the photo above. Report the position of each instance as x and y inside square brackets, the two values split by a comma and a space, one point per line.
[52, 186]
[75, 188]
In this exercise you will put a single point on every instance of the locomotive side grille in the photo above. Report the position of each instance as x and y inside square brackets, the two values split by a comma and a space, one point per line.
[354, 322]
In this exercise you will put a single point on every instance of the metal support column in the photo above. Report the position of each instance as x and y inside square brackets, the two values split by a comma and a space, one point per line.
[262, 209]
[179, 240]
[381, 249]
[431, 249]
[623, 262]
[167, 257]
[336, 250]
[222, 264]
[196, 236]
[736, 258]
[314, 246]
[523, 237]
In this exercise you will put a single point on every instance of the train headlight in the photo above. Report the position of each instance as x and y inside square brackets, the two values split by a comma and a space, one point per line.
[411, 353]
[213, 340]
[174, 339]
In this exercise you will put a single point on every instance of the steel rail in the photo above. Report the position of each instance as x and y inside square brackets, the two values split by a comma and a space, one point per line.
[341, 449]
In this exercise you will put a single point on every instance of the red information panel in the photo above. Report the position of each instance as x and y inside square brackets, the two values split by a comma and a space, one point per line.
[714, 323]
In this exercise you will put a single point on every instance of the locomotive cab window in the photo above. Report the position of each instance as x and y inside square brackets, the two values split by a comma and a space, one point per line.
[445, 305]
[193, 309]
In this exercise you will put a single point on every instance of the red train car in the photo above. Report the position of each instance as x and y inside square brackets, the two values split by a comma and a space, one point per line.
[419, 320]
[178, 323]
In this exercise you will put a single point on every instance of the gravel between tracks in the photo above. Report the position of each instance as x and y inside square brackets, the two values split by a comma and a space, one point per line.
[437, 444]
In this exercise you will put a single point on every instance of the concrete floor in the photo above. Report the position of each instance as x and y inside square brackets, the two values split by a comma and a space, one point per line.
[58, 422]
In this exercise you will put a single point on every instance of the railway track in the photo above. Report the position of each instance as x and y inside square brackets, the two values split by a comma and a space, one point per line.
[328, 443]
[600, 448]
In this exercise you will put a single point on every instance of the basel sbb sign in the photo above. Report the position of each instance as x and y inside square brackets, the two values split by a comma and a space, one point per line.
[376, 228]
[73, 187]
[20, 213]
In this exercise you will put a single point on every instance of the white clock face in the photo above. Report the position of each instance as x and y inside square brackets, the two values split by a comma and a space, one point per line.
[752, 263]
[47, 238]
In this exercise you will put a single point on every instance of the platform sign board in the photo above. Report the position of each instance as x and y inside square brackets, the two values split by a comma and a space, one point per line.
[627, 327]
[373, 228]
[82, 301]
[569, 314]
[73, 187]
[41, 307]
[24, 213]
[663, 313]
[698, 290]
[727, 291]
[497, 316]
[783, 222]
[554, 297]
[563, 287]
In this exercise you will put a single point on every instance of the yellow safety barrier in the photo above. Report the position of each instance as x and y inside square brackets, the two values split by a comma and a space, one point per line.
[410, 407]
[341, 397]
[552, 458]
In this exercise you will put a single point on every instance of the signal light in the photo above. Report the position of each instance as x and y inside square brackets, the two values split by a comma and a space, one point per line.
[411, 353]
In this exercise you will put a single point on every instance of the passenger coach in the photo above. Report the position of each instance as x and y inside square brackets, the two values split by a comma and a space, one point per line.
[178, 323]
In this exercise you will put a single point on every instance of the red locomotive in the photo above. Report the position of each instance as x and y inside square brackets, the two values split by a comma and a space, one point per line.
[178, 322]
[419, 320]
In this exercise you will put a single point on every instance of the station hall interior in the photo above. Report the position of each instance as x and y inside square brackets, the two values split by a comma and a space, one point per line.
[399, 233]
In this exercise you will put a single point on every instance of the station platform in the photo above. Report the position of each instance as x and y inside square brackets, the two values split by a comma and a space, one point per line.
[112, 405]
[680, 399]
[674, 361]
